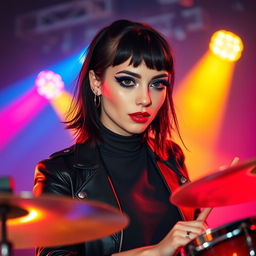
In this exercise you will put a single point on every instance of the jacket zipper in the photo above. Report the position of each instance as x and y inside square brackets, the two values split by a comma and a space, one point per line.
[120, 208]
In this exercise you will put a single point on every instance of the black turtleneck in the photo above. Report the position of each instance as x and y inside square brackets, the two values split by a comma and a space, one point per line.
[141, 191]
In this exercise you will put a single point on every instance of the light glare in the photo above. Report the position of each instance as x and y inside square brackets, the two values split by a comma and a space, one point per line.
[33, 215]
[226, 45]
[49, 84]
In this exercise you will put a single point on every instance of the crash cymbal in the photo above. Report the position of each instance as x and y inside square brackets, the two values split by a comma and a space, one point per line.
[234, 185]
[56, 220]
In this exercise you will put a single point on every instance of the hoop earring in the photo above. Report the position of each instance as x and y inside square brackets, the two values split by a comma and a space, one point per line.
[97, 100]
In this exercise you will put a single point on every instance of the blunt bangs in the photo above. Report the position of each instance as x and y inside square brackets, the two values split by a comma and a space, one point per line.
[113, 45]
[143, 45]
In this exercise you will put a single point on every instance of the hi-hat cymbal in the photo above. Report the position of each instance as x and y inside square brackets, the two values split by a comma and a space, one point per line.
[234, 185]
[57, 220]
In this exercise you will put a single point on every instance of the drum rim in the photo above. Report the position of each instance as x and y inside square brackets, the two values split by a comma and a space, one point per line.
[231, 229]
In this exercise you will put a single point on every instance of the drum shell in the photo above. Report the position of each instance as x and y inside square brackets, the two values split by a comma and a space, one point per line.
[233, 239]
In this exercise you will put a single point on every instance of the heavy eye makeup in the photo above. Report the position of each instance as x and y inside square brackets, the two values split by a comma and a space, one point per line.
[159, 84]
[130, 82]
[126, 81]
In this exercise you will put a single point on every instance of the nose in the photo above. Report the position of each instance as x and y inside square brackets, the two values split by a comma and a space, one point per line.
[143, 97]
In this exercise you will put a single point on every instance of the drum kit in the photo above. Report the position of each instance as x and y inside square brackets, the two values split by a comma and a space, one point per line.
[28, 221]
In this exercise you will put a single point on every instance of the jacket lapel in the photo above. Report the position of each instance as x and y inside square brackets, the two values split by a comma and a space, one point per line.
[98, 186]
[173, 178]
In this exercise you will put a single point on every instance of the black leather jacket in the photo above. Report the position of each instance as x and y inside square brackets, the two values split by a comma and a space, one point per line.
[77, 172]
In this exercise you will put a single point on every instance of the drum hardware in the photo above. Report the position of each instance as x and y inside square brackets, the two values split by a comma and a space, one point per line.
[6, 186]
[51, 220]
[5, 245]
[220, 188]
[237, 238]
[61, 220]
[248, 239]
[233, 185]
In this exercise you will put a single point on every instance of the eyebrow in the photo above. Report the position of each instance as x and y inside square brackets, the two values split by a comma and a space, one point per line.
[139, 76]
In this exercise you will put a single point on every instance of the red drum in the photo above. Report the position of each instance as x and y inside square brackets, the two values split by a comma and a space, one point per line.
[233, 239]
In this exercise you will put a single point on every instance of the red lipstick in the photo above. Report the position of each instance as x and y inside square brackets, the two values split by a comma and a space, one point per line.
[140, 117]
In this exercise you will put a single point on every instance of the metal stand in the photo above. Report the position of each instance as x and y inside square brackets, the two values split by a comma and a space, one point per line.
[248, 240]
[5, 245]
[6, 186]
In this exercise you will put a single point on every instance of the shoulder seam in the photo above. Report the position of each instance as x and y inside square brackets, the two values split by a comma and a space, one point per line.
[66, 151]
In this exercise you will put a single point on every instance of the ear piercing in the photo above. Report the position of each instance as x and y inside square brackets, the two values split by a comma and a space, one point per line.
[97, 99]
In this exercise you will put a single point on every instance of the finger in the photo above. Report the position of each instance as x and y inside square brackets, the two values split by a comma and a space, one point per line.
[204, 214]
[181, 239]
[186, 234]
[189, 236]
[193, 230]
[193, 223]
[194, 226]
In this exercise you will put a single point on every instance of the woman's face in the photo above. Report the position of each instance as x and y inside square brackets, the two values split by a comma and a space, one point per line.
[131, 97]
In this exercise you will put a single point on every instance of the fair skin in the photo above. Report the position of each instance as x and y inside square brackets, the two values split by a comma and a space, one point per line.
[174, 239]
[125, 90]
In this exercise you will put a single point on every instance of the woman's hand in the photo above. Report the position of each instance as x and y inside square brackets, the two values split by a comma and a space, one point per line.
[181, 234]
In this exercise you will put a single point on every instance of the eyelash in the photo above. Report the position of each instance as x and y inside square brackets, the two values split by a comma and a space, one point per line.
[121, 79]
[159, 82]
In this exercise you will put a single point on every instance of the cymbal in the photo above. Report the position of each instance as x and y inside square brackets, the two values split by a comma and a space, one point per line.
[233, 185]
[58, 220]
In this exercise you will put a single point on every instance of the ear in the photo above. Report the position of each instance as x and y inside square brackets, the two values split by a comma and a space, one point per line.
[95, 83]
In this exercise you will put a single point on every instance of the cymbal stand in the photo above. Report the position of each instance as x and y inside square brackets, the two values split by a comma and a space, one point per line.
[5, 245]
[6, 186]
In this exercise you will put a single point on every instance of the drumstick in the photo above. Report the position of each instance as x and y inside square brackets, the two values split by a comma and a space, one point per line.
[234, 161]
[204, 214]
[206, 211]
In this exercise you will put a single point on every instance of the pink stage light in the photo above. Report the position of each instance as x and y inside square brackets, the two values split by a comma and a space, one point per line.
[49, 84]
[15, 116]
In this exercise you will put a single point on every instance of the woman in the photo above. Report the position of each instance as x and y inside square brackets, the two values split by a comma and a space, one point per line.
[124, 114]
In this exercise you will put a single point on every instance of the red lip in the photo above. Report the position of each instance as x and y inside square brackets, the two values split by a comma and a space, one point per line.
[140, 117]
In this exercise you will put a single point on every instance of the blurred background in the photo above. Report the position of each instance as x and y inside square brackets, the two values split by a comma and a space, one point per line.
[214, 98]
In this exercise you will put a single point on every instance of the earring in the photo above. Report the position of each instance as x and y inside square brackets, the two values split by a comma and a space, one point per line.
[97, 100]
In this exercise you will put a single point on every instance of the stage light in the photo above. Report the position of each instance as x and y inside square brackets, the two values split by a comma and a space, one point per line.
[82, 55]
[49, 84]
[187, 3]
[201, 99]
[226, 45]
[17, 114]
[82, 58]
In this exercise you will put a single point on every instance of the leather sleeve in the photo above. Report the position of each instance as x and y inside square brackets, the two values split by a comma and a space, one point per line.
[49, 178]
[58, 251]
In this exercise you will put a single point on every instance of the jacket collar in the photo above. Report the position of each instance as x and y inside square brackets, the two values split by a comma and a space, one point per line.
[86, 156]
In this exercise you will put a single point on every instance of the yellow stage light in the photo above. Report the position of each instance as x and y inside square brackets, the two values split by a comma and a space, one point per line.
[61, 104]
[201, 100]
[226, 45]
